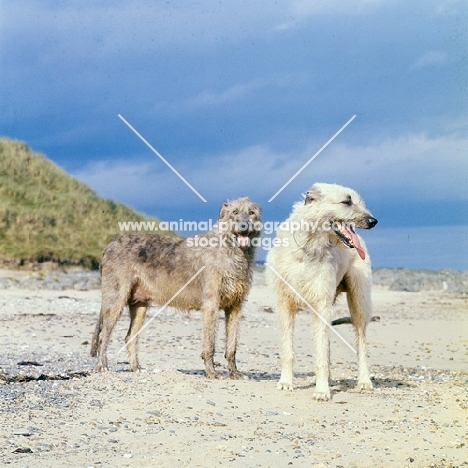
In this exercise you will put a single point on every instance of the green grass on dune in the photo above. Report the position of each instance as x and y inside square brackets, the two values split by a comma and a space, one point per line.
[47, 215]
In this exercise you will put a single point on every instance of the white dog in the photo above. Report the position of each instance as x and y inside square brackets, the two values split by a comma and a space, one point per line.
[319, 257]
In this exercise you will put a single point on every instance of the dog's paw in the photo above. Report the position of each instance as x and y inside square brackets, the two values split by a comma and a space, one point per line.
[282, 385]
[238, 376]
[213, 375]
[365, 385]
[323, 395]
[101, 368]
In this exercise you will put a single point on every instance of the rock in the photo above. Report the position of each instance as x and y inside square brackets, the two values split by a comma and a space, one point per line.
[4, 283]
[422, 280]
[22, 450]
[405, 284]
[56, 280]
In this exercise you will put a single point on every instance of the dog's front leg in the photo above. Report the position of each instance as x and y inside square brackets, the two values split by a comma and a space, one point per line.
[322, 352]
[286, 319]
[210, 321]
[360, 306]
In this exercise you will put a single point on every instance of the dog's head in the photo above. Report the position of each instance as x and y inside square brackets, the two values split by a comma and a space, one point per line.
[342, 209]
[241, 218]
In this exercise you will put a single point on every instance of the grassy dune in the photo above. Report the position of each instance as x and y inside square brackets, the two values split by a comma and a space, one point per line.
[47, 215]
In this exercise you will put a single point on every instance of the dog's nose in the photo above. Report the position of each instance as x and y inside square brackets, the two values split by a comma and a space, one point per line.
[371, 222]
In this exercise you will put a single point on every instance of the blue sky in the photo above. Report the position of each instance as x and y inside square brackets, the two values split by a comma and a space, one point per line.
[239, 95]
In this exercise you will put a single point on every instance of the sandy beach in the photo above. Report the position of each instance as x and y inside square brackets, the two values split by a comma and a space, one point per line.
[59, 412]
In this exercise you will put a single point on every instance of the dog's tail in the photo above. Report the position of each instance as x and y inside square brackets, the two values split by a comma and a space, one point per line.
[97, 332]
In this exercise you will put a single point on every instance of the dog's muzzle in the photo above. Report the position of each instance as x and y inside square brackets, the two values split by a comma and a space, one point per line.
[245, 230]
[243, 240]
[349, 238]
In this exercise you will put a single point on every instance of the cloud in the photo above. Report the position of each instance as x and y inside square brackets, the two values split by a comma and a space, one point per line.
[450, 7]
[433, 58]
[216, 178]
[300, 12]
[105, 28]
[402, 170]
[241, 92]
[138, 26]
[413, 166]
[307, 8]
[209, 98]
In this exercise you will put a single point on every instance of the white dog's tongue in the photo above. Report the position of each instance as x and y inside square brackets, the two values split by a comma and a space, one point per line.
[243, 241]
[355, 239]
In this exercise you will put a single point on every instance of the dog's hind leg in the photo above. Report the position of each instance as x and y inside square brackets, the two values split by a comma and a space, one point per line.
[233, 316]
[359, 301]
[113, 302]
[286, 318]
[137, 318]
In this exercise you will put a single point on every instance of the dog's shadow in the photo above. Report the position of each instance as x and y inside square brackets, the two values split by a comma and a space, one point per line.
[306, 380]
[251, 375]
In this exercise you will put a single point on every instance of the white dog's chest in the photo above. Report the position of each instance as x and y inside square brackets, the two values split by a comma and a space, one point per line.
[343, 258]
[330, 267]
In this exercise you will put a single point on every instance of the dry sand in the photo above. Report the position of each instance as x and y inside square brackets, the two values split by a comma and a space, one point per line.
[64, 414]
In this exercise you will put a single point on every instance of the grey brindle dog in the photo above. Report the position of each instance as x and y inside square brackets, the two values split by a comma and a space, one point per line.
[142, 269]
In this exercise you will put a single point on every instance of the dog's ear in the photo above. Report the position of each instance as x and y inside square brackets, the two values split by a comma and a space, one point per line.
[312, 194]
[222, 211]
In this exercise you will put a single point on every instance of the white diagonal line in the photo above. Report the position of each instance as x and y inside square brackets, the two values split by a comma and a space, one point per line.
[162, 159]
[313, 310]
[161, 309]
[312, 158]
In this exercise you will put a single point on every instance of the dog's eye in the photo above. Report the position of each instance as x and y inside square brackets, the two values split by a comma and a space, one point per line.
[235, 212]
[347, 202]
[251, 213]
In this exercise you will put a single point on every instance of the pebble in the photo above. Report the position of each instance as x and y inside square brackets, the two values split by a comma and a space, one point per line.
[212, 403]
[23, 450]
